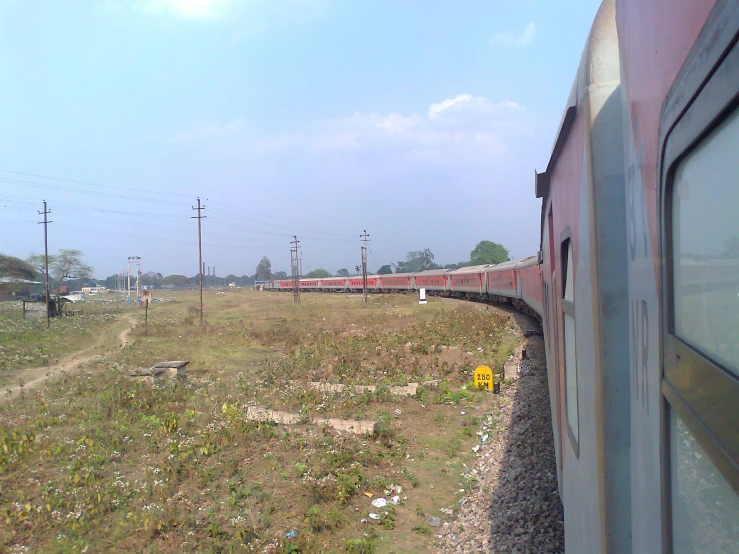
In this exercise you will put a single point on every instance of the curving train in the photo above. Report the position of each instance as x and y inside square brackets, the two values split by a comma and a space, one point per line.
[636, 282]
[516, 283]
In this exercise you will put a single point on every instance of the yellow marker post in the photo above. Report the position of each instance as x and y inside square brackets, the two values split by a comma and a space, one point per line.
[483, 378]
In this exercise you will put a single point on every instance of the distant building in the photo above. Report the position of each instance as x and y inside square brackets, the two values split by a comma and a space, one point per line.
[86, 290]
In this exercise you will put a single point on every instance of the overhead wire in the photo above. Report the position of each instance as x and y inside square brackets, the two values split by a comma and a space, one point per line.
[275, 227]
[92, 184]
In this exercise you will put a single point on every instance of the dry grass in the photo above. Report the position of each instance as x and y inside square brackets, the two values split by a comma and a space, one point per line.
[100, 462]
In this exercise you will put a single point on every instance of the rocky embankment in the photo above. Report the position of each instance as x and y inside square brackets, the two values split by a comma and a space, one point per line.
[515, 507]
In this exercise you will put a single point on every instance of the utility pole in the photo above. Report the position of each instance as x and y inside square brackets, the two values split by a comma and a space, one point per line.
[295, 266]
[138, 276]
[128, 272]
[200, 254]
[364, 237]
[134, 258]
[46, 222]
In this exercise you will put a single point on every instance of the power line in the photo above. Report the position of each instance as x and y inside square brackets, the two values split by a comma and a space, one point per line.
[88, 192]
[91, 184]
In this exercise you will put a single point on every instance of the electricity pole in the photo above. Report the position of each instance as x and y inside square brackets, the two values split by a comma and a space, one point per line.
[46, 259]
[136, 259]
[138, 276]
[364, 237]
[200, 254]
[295, 266]
[128, 272]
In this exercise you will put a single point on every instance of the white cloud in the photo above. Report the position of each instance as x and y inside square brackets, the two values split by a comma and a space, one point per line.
[190, 9]
[512, 39]
[463, 128]
[465, 102]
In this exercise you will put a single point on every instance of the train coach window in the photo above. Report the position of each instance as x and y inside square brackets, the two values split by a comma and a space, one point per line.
[568, 322]
[705, 509]
[705, 238]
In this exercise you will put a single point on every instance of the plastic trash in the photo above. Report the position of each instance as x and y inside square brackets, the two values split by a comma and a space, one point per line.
[379, 502]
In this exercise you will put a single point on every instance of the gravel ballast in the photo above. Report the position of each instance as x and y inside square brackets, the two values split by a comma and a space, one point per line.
[515, 507]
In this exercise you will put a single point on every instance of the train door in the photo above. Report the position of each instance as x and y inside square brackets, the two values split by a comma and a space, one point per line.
[700, 279]
[517, 281]
[553, 320]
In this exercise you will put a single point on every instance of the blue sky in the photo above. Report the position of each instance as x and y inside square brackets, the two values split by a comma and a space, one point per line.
[420, 121]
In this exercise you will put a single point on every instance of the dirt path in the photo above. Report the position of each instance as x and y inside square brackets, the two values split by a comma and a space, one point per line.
[31, 377]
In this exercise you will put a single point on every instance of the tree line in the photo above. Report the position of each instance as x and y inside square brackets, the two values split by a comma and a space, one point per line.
[67, 266]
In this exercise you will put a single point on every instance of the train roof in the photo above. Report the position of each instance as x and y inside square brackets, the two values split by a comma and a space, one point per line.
[527, 262]
[431, 272]
[470, 269]
[510, 264]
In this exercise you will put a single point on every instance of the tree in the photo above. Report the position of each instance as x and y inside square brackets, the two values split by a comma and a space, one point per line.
[68, 265]
[342, 273]
[37, 262]
[111, 282]
[280, 275]
[385, 270]
[15, 268]
[151, 278]
[264, 269]
[176, 280]
[488, 252]
[318, 274]
[420, 260]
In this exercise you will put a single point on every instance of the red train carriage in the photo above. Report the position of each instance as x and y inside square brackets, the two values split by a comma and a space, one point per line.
[335, 283]
[680, 84]
[433, 280]
[528, 282]
[585, 308]
[399, 281]
[501, 279]
[310, 285]
[468, 281]
[355, 283]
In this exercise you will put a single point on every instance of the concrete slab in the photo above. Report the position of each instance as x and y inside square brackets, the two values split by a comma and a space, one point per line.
[161, 373]
[409, 390]
[358, 427]
[510, 370]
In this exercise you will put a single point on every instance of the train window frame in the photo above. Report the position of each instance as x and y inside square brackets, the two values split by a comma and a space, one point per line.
[567, 267]
[702, 98]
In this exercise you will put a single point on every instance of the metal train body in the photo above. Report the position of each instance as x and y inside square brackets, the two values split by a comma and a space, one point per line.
[637, 282]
